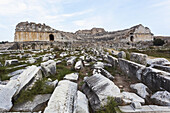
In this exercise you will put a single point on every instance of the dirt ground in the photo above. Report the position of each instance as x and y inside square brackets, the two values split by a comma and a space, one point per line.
[124, 82]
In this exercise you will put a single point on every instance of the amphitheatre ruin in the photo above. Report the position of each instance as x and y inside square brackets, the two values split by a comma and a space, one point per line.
[89, 71]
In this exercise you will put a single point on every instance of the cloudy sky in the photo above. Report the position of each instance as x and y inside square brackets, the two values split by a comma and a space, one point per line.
[71, 15]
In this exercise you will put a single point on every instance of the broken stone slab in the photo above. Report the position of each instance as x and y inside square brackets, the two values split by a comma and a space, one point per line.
[72, 76]
[79, 65]
[112, 60]
[161, 98]
[98, 88]
[121, 54]
[63, 97]
[103, 72]
[52, 83]
[45, 58]
[11, 62]
[28, 78]
[37, 104]
[145, 109]
[159, 61]
[81, 104]
[161, 67]
[18, 72]
[155, 79]
[1, 64]
[139, 58]
[141, 89]
[63, 54]
[58, 61]
[82, 58]
[99, 65]
[131, 97]
[130, 68]
[49, 68]
[31, 61]
[6, 94]
[90, 58]
[136, 105]
[71, 61]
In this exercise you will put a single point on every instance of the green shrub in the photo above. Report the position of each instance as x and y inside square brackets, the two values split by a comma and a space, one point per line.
[39, 88]
[111, 107]
[158, 42]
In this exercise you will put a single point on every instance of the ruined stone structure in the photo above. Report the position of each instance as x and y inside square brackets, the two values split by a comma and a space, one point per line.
[133, 34]
[37, 32]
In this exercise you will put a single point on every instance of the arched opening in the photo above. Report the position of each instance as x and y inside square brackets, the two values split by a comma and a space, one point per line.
[51, 36]
[131, 38]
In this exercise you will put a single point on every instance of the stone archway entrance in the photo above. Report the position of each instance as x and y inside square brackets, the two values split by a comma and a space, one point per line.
[51, 37]
[131, 38]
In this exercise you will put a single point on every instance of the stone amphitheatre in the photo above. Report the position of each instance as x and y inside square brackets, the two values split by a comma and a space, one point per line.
[89, 71]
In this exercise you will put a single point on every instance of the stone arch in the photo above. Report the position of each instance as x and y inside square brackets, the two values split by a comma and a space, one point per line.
[131, 38]
[51, 37]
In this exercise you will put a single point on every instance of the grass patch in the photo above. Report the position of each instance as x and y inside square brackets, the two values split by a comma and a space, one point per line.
[39, 88]
[62, 70]
[111, 107]
[111, 70]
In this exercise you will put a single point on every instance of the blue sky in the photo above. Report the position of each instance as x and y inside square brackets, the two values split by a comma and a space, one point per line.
[71, 15]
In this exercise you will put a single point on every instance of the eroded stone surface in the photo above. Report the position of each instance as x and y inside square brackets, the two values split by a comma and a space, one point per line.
[38, 102]
[72, 76]
[49, 67]
[62, 99]
[141, 89]
[81, 105]
[97, 88]
[6, 94]
[139, 58]
[161, 98]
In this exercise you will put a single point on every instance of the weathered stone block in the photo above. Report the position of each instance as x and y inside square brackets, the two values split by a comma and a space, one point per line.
[98, 88]
[139, 58]
[62, 99]
[49, 67]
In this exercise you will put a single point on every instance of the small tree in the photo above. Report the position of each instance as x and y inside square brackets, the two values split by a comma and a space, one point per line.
[158, 42]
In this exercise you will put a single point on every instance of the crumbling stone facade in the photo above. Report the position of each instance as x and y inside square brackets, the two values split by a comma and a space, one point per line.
[37, 32]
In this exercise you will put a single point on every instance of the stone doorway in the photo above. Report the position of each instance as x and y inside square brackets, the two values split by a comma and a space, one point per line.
[131, 38]
[51, 37]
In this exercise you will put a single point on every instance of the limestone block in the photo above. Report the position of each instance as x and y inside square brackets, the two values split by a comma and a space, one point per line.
[31, 61]
[79, 65]
[97, 88]
[103, 72]
[72, 76]
[159, 61]
[71, 61]
[6, 94]
[11, 62]
[62, 99]
[141, 89]
[121, 54]
[49, 67]
[139, 58]
[81, 105]
[112, 60]
[29, 77]
[132, 97]
[161, 98]
[1, 64]
[38, 102]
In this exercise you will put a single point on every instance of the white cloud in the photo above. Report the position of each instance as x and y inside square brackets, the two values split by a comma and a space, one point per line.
[3, 26]
[89, 22]
[162, 3]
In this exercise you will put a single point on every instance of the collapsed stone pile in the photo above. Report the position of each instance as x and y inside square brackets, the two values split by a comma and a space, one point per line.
[88, 79]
